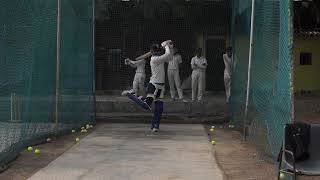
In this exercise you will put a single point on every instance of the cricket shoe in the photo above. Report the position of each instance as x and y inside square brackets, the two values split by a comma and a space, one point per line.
[183, 100]
[126, 92]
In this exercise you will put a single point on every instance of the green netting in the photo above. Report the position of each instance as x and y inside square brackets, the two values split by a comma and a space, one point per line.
[76, 102]
[28, 53]
[270, 103]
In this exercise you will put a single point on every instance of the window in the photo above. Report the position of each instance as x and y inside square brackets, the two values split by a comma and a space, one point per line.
[305, 58]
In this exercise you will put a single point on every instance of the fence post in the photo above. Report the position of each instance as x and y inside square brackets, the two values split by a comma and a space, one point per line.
[292, 84]
[57, 66]
[249, 71]
[93, 58]
[11, 107]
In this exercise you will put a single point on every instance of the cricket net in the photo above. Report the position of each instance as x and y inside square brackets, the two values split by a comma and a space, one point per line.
[270, 104]
[47, 70]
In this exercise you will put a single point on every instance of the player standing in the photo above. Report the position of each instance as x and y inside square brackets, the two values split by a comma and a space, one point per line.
[227, 59]
[173, 75]
[199, 66]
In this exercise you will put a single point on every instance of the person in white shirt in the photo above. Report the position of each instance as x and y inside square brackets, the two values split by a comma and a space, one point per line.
[173, 75]
[155, 89]
[140, 76]
[227, 58]
[199, 66]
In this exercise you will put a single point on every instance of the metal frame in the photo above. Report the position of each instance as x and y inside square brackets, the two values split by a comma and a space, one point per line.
[283, 152]
[294, 173]
[93, 58]
[292, 166]
[249, 70]
[58, 65]
[292, 84]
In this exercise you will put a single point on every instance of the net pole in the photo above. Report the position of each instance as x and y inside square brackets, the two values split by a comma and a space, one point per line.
[94, 59]
[14, 106]
[57, 65]
[11, 107]
[249, 71]
[292, 74]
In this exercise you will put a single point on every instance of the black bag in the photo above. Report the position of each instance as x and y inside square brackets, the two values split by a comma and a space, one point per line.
[298, 137]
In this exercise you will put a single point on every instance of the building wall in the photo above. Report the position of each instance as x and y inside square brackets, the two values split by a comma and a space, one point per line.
[307, 76]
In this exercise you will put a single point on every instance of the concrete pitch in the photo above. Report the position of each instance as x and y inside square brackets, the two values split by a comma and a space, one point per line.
[132, 152]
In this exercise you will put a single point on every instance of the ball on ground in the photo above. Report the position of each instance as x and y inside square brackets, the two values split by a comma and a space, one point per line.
[211, 130]
[37, 151]
[30, 149]
[231, 126]
[213, 142]
[77, 140]
[282, 175]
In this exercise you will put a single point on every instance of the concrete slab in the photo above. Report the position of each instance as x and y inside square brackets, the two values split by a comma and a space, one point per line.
[132, 152]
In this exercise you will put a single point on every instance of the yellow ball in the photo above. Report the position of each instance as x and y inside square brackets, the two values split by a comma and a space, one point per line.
[231, 126]
[77, 140]
[213, 142]
[282, 175]
[84, 131]
[30, 149]
[37, 151]
[211, 130]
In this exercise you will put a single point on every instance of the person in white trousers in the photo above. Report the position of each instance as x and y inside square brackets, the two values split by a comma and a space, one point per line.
[173, 75]
[199, 66]
[227, 58]
[140, 76]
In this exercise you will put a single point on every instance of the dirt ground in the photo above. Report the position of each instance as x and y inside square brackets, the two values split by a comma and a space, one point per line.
[238, 160]
[27, 163]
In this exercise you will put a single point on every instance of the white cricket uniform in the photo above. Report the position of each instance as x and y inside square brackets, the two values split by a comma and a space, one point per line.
[157, 70]
[174, 77]
[199, 66]
[140, 76]
[227, 75]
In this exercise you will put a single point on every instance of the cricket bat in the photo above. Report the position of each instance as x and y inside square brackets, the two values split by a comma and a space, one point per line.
[144, 56]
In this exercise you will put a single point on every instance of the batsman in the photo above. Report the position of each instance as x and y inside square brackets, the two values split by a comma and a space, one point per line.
[156, 85]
